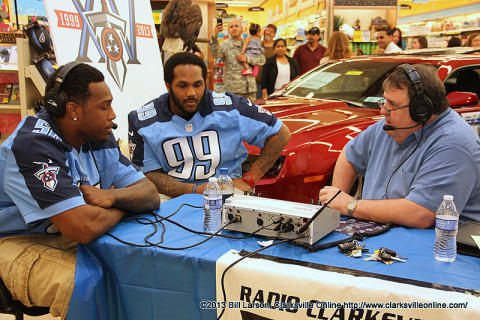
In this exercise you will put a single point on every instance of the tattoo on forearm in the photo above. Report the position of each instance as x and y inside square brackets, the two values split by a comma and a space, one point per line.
[273, 149]
[170, 186]
[137, 198]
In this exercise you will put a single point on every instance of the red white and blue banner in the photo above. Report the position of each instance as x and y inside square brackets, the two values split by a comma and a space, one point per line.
[116, 37]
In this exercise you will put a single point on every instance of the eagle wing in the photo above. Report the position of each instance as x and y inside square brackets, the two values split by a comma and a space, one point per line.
[191, 21]
[181, 19]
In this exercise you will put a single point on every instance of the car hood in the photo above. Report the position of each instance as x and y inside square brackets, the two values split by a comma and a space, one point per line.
[302, 114]
[316, 119]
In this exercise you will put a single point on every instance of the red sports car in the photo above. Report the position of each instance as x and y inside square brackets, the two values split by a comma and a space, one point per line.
[330, 105]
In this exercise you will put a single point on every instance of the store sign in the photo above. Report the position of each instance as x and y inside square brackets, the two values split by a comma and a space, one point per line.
[157, 17]
[366, 3]
[361, 36]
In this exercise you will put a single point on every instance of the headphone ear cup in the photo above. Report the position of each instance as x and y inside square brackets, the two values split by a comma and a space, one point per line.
[55, 103]
[421, 109]
[55, 100]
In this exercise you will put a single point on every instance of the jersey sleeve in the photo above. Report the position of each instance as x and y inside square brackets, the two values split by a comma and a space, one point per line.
[37, 177]
[115, 169]
[140, 150]
[261, 123]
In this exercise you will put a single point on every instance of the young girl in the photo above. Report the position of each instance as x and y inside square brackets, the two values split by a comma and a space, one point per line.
[251, 48]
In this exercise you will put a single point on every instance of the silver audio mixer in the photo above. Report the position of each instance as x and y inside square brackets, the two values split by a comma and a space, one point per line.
[280, 218]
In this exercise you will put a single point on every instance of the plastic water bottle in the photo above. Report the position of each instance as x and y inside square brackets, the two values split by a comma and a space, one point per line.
[212, 207]
[446, 226]
[226, 184]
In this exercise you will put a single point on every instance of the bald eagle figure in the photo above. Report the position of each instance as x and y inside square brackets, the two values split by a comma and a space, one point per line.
[180, 26]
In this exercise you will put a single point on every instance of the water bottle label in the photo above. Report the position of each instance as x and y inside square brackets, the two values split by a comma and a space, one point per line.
[447, 225]
[215, 204]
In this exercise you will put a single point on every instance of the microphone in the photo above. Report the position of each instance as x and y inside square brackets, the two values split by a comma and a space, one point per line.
[388, 127]
[114, 125]
[309, 222]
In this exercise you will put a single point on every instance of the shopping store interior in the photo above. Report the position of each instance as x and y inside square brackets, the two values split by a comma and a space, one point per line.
[22, 84]
[437, 20]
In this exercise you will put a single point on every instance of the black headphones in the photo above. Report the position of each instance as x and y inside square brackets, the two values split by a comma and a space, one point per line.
[55, 100]
[421, 107]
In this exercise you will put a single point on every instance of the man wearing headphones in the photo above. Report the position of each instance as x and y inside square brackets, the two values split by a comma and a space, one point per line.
[421, 151]
[63, 181]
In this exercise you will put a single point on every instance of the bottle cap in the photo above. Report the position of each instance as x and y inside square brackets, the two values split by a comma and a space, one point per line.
[447, 197]
[212, 179]
[223, 170]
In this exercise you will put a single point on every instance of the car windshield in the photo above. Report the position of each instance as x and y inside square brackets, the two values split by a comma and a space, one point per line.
[358, 81]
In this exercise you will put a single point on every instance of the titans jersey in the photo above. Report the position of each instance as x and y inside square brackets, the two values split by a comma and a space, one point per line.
[194, 150]
[40, 174]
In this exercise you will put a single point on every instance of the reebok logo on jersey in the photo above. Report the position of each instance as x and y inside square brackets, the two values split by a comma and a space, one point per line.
[189, 127]
[48, 174]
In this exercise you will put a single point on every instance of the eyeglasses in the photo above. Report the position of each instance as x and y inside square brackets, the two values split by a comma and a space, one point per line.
[382, 103]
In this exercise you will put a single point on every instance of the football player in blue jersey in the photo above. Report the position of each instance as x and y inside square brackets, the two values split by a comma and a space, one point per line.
[63, 180]
[186, 135]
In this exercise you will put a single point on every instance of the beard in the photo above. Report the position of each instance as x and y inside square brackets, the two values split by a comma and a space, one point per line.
[186, 114]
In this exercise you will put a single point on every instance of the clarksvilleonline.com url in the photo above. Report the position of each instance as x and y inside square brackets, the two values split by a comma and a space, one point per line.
[332, 305]
[391, 305]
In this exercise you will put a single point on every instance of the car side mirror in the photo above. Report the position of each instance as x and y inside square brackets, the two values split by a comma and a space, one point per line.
[461, 99]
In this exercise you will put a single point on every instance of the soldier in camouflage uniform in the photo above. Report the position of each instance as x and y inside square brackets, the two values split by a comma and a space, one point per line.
[229, 51]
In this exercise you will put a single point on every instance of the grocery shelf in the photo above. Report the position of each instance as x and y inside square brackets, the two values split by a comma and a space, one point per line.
[10, 108]
[435, 33]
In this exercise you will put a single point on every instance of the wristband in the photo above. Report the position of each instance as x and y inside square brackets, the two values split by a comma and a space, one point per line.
[248, 178]
[194, 188]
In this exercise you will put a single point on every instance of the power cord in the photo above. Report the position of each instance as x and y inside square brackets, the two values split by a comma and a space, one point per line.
[237, 261]
[359, 236]
[401, 164]
[158, 219]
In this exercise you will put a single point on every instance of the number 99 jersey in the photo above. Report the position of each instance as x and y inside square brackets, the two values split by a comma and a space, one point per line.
[194, 150]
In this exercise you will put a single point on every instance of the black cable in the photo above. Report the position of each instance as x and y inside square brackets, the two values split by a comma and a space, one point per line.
[139, 219]
[359, 236]
[306, 225]
[398, 167]
[234, 263]
[160, 219]
[220, 235]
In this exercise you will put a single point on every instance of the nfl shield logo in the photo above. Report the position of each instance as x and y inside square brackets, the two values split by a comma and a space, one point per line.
[189, 127]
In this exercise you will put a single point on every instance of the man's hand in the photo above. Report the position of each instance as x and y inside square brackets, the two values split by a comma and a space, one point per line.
[242, 58]
[339, 203]
[200, 188]
[240, 184]
[97, 197]
[218, 28]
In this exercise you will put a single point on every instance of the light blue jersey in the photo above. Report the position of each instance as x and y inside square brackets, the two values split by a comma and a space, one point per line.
[194, 150]
[40, 173]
